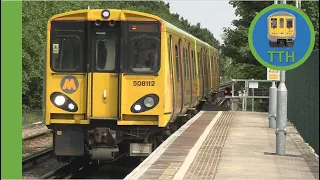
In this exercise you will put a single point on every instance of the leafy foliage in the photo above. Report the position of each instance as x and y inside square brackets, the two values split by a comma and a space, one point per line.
[236, 45]
[34, 20]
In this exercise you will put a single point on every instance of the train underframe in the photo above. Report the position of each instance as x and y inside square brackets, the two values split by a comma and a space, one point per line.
[282, 42]
[105, 141]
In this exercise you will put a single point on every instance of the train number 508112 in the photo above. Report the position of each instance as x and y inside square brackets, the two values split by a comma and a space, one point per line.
[144, 83]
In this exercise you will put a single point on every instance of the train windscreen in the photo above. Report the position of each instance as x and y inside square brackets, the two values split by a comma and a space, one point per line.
[144, 47]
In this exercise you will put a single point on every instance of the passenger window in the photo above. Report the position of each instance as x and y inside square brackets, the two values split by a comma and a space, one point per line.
[66, 54]
[212, 65]
[273, 22]
[188, 63]
[177, 62]
[200, 65]
[193, 65]
[185, 63]
[204, 64]
[105, 54]
[289, 23]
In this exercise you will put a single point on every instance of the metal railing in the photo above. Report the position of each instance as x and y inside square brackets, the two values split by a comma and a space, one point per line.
[250, 94]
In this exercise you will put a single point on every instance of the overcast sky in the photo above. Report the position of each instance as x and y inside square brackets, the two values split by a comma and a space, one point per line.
[212, 14]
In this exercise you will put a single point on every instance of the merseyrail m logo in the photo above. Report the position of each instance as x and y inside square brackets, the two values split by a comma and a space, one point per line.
[69, 84]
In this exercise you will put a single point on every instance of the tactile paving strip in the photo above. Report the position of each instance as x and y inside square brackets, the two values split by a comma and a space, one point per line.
[205, 164]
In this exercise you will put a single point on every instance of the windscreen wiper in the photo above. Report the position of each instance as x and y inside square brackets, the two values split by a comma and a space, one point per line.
[139, 43]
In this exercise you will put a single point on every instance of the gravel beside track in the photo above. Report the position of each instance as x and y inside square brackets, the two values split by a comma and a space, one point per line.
[33, 129]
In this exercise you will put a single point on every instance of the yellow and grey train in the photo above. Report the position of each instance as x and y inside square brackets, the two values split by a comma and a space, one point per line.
[118, 82]
[281, 29]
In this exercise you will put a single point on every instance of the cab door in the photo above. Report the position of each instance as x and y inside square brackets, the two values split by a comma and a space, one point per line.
[105, 74]
[281, 29]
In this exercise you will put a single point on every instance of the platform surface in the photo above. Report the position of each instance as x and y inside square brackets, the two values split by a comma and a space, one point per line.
[228, 145]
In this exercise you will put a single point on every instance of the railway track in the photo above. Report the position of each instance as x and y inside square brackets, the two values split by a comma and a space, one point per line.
[36, 155]
[62, 172]
[32, 159]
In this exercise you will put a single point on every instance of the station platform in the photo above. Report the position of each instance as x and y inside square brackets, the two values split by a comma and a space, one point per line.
[230, 146]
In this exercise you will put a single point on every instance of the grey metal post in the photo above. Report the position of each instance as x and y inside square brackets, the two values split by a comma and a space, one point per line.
[272, 105]
[232, 88]
[281, 116]
[243, 95]
[246, 94]
[252, 101]
[232, 102]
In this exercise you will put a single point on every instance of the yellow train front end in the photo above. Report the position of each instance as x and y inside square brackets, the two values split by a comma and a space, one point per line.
[281, 29]
[104, 83]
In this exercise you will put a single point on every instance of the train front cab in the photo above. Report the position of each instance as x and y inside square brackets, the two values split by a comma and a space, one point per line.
[98, 83]
[281, 29]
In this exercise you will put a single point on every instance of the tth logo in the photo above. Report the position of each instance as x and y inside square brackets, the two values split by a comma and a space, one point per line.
[69, 84]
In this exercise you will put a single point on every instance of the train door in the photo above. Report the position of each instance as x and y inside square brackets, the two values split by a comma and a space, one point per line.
[179, 78]
[105, 73]
[172, 52]
[194, 77]
[202, 74]
[191, 75]
[206, 75]
[187, 79]
[281, 29]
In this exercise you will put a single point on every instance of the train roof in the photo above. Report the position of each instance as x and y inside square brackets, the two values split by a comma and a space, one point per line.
[167, 24]
[281, 13]
[171, 26]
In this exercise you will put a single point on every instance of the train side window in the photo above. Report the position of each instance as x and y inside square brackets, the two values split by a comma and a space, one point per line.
[212, 65]
[170, 55]
[188, 63]
[204, 63]
[177, 62]
[192, 60]
[274, 22]
[184, 63]
[195, 67]
[66, 54]
[281, 23]
[198, 64]
[289, 23]
[105, 54]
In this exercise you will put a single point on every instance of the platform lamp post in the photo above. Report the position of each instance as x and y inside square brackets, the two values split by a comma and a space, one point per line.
[282, 109]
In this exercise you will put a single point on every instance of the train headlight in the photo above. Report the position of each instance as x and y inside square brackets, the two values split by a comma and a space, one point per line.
[71, 106]
[63, 102]
[137, 107]
[59, 100]
[149, 102]
[145, 103]
[105, 14]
